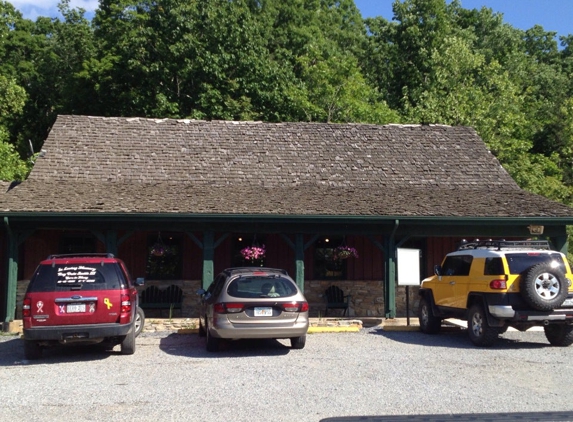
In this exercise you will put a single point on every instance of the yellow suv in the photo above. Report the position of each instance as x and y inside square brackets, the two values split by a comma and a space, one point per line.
[494, 285]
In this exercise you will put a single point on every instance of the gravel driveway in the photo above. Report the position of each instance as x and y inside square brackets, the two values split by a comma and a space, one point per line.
[370, 373]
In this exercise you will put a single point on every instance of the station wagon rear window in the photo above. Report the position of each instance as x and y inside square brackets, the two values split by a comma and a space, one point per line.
[66, 277]
[261, 287]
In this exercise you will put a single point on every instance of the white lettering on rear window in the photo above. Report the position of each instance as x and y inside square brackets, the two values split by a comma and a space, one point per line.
[79, 274]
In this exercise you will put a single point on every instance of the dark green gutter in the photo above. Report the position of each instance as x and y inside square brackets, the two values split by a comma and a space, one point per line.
[286, 218]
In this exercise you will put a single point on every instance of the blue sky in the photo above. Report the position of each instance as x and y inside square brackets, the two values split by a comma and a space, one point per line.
[553, 15]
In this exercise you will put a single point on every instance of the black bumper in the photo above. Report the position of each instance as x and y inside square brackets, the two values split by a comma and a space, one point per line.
[511, 307]
[63, 332]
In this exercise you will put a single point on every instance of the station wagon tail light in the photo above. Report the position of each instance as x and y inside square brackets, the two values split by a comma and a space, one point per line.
[27, 308]
[232, 308]
[295, 306]
[498, 284]
[125, 304]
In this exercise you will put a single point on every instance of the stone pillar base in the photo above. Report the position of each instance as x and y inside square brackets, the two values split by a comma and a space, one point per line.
[12, 327]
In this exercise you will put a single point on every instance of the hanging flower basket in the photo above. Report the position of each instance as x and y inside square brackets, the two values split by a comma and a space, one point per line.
[158, 249]
[253, 253]
[344, 252]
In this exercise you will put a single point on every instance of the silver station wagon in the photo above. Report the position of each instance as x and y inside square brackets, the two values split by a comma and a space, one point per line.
[251, 302]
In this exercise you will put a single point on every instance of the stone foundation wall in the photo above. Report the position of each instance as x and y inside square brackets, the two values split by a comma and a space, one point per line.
[366, 298]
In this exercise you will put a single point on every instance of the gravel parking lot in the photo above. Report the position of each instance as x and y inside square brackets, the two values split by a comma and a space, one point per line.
[343, 376]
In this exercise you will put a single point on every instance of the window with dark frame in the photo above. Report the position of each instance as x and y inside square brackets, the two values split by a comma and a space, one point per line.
[164, 257]
[77, 243]
[325, 266]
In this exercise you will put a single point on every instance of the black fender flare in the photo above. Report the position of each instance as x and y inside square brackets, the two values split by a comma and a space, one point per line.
[429, 296]
[482, 300]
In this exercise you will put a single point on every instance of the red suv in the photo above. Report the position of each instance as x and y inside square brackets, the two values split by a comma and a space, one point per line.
[88, 298]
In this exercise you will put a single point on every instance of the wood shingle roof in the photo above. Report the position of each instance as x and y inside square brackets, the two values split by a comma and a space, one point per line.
[136, 165]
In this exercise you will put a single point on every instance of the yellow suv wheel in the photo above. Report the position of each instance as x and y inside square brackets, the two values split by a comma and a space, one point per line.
[429, 324]
[480, 333]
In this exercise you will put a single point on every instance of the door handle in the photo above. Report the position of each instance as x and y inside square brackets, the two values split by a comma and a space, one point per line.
[452, 283]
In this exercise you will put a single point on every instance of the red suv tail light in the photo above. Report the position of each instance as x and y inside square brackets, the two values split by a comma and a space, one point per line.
[232, 308]
[27, 307]
[295, 306]
[125, 304]
[498, 284]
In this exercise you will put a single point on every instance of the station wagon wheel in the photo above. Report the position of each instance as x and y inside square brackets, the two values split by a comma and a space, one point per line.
[298, 342]
[139, 321]
[212, 342]
[480, 333]
[32, 350]
[429, 324]
[202, 332]
[544, 287]
[559, 334]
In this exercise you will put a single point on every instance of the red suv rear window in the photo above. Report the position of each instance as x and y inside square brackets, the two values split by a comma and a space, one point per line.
[71, 277]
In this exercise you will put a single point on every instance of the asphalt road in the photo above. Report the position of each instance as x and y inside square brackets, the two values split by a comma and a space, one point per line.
[371, 375]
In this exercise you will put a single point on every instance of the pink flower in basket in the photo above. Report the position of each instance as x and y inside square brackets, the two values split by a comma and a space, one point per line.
[344, 252]
[252, 253]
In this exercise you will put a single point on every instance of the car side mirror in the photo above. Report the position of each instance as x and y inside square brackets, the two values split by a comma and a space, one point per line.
[139, 281]
[438, 270]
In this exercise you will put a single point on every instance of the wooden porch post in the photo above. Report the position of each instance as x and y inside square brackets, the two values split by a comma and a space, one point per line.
[390, 274]
[14, 240]
[299, 257]
[208, 257]
[299, 247]
[111, 242]
[12, 275]
[561, 243]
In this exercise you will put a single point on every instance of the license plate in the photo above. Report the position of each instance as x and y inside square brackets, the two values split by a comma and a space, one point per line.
[263, 311]
[567, 303]
[73, 308]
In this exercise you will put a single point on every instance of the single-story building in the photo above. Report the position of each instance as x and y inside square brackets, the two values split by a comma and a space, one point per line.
[178, 200]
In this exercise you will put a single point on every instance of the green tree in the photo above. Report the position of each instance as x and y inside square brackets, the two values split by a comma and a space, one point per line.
[12, 98]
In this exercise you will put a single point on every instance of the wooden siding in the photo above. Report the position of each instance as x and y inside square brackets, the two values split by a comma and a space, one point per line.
[369, 265]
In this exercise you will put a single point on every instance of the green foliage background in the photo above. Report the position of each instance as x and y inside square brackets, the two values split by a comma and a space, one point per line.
[297, 60]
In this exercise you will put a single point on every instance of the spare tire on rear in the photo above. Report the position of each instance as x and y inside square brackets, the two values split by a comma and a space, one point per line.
[544, 287]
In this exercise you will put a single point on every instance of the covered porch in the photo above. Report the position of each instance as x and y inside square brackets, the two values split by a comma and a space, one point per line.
[202, 247]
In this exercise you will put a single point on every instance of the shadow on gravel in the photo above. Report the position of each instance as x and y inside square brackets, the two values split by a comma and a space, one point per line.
[460, 340]
[12, 353]
[490, 417]
[194, 346]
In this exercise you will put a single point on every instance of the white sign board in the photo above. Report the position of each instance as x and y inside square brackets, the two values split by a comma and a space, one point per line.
[408, 267]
